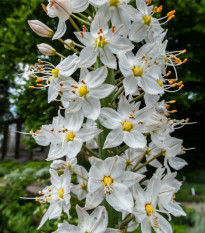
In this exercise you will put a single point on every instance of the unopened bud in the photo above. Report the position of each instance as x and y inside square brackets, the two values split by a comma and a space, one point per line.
[46, 49]
[40, 28]
[69, 44]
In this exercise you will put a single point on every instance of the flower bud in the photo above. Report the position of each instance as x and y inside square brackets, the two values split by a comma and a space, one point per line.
[46, 49]
[69, 43]
[40, 28]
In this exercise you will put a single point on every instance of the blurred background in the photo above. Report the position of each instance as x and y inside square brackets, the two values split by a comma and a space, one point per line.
[23, 171]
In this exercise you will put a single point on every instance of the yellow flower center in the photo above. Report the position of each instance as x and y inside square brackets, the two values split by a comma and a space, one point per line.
[60, 193]
[147, 19]
[107, 180]
[70, 136]
[165, 59]
[127, 126]
[137, 71]
[84, 186]
[114, 3]
[55, 72]
[100, 42]
[149, 209]
[160, 83]
[83, 91]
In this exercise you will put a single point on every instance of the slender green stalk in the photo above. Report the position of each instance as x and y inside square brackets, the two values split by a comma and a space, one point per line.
[116, 95]
[149, 161]
[74, 24]
[125, 147]
[82, 20]
[60, 55]
[70, 47]
[83, 16]
[142, 157]
[85, 154]
[117, 72]
[126, 221]
[79, 45]
[76, 199]
[137, 98]
[78, 174]
[89, 150]
[119, 79]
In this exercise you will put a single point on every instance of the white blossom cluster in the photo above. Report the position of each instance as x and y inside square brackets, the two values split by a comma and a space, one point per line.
[114, 114]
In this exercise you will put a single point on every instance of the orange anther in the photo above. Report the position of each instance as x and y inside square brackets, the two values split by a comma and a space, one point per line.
[81, 33]
[185, 60]
[44, 7]
[181, 87]
[171, 17]
[41, 66]
[61, 92]
[61, 84]
[179, 83]
[40, 70]
[74, 86]
[159, 9]
[36, 65]
[83, 82]
[174, 85]
[183, 51]
[172, 101]
[101, 31]
[173, 80]
[39, 80]
[73, 91]
[173, 111]
[168, 114]
[40, 61]
[171, 13]
[113, 29]
[168, 73]
[84, 28]
[140, 89]
[39, 85]
[149, 2]
[31, 87]
[32, 76]
[170, 82]
[167, 106]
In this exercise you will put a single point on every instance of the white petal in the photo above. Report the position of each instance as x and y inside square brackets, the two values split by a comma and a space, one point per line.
[118, 43]
[177, 163]
[74, 121]
[88, 56]
[91, 108]
[163, 225]
[130, 85]
[134, 139]
[94, 199]
[102, 91]
[137, 31]
[86, 134]
[53, 90]
[120, 198]
[150, 86]
[110, 118]
[87, 38]
[96, 78]
[79, 5]
[114, 138]
[108, 58]
[61, 29]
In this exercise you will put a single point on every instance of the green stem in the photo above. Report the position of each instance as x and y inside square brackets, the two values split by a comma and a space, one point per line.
[117, 72]
[60, 55]
[79, 45]
[142, 157]
[76, 199]
[149, 161]
[78, 174]
[116, 95]
[83, 16]
[70, 47]
[89, 150]
[138, 97]
[126, 221]
[119, 79]
[125, 147]
[85, 154]
[82, 20]
[74, 24]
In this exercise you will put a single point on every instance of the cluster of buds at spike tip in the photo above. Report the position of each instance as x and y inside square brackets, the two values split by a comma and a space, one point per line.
[46, 49]
[40, 28]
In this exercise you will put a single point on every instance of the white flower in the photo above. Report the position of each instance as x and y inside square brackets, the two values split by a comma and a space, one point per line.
[171, 147]
[96, 222]
[46, 49]
[57, 195]
[85, 95]
[139, 72]
[62, 165]
[116, 10]
[145, 208]
[51, 75]
[63, 9]
[145, 26]
[102, 42]
[108, 179]
[66, 135]
[126, 125]
[169, 186]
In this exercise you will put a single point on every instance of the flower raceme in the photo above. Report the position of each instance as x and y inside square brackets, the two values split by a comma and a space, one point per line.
[117, 119]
